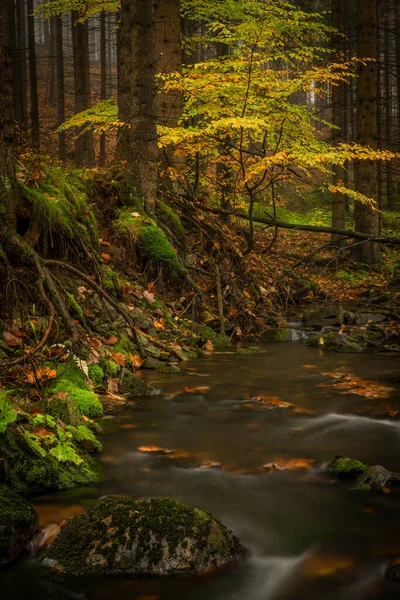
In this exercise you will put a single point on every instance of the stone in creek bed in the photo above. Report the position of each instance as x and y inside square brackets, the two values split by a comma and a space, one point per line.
[318, 318]
[18, 521]
[142, 536]
[130, 384]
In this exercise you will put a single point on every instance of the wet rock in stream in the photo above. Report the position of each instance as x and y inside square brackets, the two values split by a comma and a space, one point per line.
[18, 521]
[374, 477]
[142, 536]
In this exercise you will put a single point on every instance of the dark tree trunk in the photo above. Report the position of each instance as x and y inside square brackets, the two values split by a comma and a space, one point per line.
[60, 86]
[33, 76]
[84, 149]
[338, 110]
[12, 36]
[22, 67]
[8, 182]
[52, 64]
[137, 144]
[388, 113]
[168, 58]
[103, 79]
[366, 219]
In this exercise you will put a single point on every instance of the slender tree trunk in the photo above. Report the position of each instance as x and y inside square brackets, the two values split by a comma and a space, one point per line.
[60, 86]
[35, 127]
[52, 63]
[22, 67]
[366, 219]
[338, 109]
[8, 182]
[103, 79]
[137, 144]
[84, 149]
[388, 112]
[379, 124]
[12, 36]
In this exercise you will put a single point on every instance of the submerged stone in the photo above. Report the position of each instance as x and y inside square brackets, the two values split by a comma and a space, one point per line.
[18, 521]
[335, 342]
[142, 536]
[251, 350]
[282, 334]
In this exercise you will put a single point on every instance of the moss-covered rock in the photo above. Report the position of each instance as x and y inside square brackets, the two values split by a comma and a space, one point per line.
[29, 473]
[132, 385]
[375, 477]
[318, 318]
[281, 334]
[151, 364]
[128, 536]
[64, 408]
[18, 521]
[218, 340]
[170, 218]
[169, 369]
[71, 381]
[335, 342]
[251, 350]
[347, 468]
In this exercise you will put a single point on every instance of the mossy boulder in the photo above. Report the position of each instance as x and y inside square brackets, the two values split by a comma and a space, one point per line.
[172, 369]
[318, 318]
[132, 385]
[18, 521]
[143, 536]
[335, 342]
[281, 334]
[71, 381]
[375, 477]
[151, 364]
[29, 473]
[64, 408]
[218, 340]
[347, 468]
[251, 350]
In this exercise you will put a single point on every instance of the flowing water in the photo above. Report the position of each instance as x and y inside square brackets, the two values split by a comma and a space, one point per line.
[309, 536]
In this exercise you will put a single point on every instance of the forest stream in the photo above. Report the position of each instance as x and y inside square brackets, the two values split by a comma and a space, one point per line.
[261, 470]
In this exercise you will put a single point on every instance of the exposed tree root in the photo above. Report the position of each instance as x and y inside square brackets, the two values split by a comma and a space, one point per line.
[102, 293]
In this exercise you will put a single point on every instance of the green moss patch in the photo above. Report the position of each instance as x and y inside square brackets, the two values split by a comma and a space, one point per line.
[251, 350]
[347, 468]
[72, 382]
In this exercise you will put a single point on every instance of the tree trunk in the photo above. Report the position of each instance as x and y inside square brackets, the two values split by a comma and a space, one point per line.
[338, 109]
[388, 112]
[22, 67]
[103, 79]
[33, 77]
[8, 181]
[137, 143]
[52, 63]
[366, 219]
[168, 58]
[84, 149]
[12, 33]
[60, 86]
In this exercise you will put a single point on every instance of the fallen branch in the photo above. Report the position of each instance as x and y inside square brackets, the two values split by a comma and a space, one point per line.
[313, 228]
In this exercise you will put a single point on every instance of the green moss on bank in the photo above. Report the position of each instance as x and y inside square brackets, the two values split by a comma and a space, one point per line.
[72, 382]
